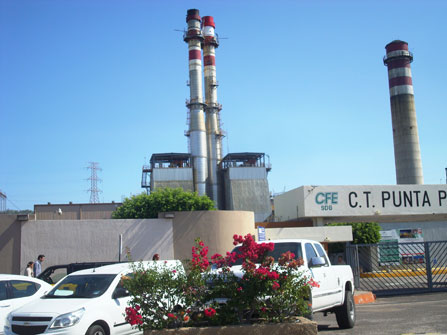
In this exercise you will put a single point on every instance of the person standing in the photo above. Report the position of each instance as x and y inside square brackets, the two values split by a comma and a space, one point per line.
[38, 265]
[29, 270]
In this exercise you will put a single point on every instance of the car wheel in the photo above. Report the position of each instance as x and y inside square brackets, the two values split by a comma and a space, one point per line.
[95, 330]
[346, 314]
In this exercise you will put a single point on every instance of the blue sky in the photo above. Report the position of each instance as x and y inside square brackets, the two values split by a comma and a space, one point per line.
[302, 81]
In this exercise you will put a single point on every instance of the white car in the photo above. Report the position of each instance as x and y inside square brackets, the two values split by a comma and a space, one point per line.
[91, 302]
[16, 291]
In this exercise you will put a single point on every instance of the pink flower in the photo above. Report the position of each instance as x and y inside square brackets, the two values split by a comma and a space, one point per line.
[239, 289]
[174, 271]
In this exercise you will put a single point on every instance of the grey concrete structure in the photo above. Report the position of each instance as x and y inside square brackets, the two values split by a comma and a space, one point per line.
[197, 130]
[75, 211]
[171, 170]
[407, 152]
[245, 184]
[10, 245]
[68, 241]
[213, 131]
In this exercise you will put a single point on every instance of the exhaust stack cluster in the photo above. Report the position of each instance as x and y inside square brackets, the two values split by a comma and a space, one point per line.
[205, 134]
[407, 153]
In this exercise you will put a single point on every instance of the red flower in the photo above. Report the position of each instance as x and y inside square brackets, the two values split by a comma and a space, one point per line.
[172, 316]
[209, 312]
[239, 289]
[275, 285]
[132, 316]
[313, 283]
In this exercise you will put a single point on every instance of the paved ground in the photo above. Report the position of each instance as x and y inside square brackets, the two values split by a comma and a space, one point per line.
[409, 314]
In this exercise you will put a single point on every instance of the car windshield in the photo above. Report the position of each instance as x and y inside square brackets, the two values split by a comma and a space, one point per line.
[280, 248]
[81, 286]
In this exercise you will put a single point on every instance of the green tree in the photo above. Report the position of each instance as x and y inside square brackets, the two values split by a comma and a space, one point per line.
[362, 233]
[145, 206]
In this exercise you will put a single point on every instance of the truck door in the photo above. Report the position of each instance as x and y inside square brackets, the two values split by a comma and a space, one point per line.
[332, 277]
[320, 294]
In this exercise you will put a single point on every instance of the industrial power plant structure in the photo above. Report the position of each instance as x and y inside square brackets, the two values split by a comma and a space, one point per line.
[237, 181]
[407, 153]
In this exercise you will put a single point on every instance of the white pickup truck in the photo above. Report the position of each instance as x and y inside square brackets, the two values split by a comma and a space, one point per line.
[335, 293]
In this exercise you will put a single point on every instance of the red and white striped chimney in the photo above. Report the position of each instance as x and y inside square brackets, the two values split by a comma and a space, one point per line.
[197, 130]
[213, 131]
[407, 153]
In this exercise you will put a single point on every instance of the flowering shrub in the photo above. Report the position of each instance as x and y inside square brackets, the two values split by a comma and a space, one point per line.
[156, 292]
[210, 293]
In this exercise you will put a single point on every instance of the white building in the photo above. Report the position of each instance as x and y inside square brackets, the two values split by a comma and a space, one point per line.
[392, 206]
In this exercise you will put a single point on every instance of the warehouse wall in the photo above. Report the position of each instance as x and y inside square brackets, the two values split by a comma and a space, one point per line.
[10, 241]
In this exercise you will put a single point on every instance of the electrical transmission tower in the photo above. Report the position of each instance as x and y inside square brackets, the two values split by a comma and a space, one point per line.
[2, 201]
[94, 190]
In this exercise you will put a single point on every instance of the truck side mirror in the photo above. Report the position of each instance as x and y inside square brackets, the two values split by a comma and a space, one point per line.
[120, 292]
[317, 261]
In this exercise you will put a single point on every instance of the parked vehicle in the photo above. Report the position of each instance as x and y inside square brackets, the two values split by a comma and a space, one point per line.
[53, 274]
[91, 302]
[16, 291]
[335, 290]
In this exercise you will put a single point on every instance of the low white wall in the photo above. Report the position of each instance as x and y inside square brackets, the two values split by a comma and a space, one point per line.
[69, 241]
[320, 234]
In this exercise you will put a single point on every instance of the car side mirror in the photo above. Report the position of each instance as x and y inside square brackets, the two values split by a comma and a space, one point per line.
[317, 261]
[120, 292]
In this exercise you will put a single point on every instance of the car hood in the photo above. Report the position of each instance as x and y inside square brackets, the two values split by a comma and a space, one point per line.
[53, 307]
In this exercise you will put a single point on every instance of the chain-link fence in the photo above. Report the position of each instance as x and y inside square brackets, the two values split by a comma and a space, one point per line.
[394, 268]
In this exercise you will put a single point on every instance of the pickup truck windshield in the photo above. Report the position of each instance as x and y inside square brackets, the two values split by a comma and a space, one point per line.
[81, 286]
[280, 248]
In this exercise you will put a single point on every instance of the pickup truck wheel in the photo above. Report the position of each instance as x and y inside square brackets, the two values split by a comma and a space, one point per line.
[346, 314]
[95, 330]
[309, 313]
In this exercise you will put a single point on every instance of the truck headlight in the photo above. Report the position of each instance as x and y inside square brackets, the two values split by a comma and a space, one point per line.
[68, 320]
[8, 320]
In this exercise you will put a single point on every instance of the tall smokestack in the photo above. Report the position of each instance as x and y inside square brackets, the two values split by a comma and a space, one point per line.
[213, 132]
[196, 131]
[407, 154]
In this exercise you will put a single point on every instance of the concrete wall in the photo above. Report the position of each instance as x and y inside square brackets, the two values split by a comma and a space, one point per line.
[69, 241]
[10, 242]
[289, 205]
[215, 228]
[75, 211]
[320, 234]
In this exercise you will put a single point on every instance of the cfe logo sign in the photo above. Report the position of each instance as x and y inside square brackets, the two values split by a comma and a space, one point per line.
[326, 200]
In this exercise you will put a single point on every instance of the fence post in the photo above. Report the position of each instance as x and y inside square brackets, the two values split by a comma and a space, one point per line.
[428, 265]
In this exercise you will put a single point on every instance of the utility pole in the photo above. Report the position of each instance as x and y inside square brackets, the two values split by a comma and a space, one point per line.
[94, 191]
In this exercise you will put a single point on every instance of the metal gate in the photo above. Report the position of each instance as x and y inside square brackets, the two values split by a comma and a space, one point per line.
[399, 268]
